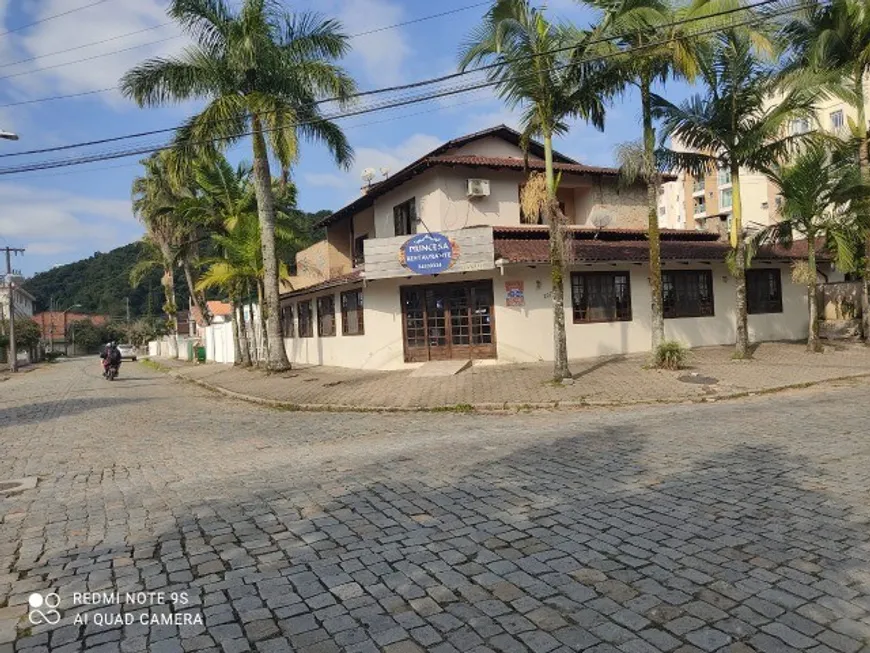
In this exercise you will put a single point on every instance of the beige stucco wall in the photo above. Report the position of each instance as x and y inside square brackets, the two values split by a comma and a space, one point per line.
[442, 203]
[425, 188]
[364, 223]
[626, 207]
[312, 265]
[339, 248]
[524, 334]
[457, 210]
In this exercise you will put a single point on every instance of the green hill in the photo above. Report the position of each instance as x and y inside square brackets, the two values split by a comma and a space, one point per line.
[102, 282]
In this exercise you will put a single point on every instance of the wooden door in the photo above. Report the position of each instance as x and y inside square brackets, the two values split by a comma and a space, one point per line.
[448, 321]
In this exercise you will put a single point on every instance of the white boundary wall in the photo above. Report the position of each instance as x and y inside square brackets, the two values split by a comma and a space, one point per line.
[219, 346]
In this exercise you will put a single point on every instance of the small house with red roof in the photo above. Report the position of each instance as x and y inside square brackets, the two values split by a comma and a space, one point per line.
[437, 262]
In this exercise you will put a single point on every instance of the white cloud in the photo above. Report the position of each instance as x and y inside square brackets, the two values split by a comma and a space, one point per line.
[486, 119]
[382, 55]
[48, 248]
[325, 180]
[105, 21]
[51, 222]
[385, 157]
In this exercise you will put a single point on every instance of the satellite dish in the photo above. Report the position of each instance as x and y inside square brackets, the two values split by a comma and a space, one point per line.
[601, 220]
[367, 175]
[385, 172]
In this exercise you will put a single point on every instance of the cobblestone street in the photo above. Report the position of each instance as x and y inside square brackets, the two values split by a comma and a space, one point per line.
[737, 526]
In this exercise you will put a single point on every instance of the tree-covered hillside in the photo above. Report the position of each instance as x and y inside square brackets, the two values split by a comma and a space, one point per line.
[102, 282]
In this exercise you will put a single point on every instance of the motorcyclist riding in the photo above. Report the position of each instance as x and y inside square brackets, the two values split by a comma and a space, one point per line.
[111, 356]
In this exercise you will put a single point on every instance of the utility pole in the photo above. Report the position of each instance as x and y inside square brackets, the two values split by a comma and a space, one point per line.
[127, 299]
[13, 353]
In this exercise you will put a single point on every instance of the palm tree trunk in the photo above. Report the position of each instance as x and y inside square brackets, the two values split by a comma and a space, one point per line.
[557, 269]
[171, 310]
[277, 356]
[813, 342]
[169, 306]
[260, 327]
[864, 166]
[657, 312]
[738, 244]
[240, 338]
[196, 297]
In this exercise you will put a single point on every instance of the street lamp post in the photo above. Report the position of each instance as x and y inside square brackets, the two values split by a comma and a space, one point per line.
[65, 343]
[13, 354]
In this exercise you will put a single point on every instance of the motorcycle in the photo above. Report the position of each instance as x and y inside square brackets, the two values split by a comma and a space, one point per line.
[110, 372]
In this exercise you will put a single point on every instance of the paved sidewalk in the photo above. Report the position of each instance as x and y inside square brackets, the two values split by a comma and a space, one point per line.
[618, 380]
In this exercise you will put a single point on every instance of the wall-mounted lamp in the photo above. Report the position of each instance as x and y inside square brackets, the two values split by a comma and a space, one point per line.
[500, 263]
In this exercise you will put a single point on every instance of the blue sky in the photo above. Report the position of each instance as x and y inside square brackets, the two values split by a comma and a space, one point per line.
[67, 214]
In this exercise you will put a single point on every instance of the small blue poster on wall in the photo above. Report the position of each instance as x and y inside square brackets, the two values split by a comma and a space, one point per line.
[429, 253]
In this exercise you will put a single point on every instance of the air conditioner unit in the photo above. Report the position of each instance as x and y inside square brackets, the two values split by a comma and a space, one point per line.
[477, 188]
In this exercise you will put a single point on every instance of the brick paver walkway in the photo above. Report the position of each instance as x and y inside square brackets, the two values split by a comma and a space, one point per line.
[726, 527]
[615, 380]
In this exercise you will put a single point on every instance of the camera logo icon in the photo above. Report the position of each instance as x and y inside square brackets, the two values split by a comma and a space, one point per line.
[43, 608]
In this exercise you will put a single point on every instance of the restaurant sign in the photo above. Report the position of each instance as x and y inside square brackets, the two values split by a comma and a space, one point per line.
[429, 253]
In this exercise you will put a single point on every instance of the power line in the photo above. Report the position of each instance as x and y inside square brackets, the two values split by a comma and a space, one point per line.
[142, 45]
[388, 105]
[85, 45]
[402, 116]
[409, 86]
[421, 19]
[376, 30]
[48, 18]
[57, 97]
[91, 58]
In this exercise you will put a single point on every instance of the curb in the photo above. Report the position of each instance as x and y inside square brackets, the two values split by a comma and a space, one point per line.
[501, 407]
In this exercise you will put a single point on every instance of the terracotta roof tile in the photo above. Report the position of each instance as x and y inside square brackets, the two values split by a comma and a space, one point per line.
[537, 251]
[219, 308]
[351, 277]
[586, 233]
[516, 163]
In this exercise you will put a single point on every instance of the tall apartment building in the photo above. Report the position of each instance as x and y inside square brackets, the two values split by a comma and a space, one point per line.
[706, 204]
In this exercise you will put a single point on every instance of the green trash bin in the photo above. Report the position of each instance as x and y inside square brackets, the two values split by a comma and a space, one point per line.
[200, 354]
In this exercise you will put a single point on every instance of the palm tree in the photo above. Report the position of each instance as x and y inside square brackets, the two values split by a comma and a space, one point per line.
[819, 195]
[537, 74]
[733, 126]
[224, 198]
[262, 71]
[240, 266]
[658, 50]
[831, 42]
[226, 206]
[157, 202]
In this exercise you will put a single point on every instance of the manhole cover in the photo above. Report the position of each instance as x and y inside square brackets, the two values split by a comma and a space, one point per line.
[17, 485]
[697, 378]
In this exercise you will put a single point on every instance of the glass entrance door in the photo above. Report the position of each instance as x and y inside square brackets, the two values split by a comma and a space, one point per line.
[448, 321]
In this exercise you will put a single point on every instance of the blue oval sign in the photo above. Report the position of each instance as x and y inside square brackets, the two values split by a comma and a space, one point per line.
[430, 253]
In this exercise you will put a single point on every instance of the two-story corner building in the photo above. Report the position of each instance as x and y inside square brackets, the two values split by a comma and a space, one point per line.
[435, 262]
